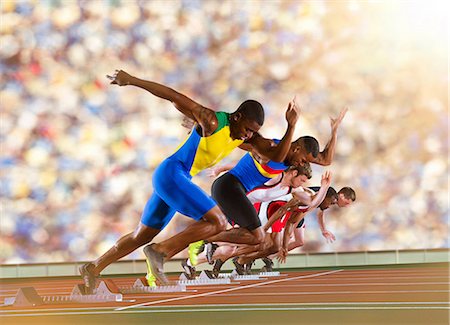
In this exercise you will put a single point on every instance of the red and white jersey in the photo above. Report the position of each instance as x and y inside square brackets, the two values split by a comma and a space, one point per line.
[267, 209]
[266, 193]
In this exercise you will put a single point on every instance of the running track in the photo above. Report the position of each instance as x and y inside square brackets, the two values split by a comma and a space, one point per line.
[382, 295]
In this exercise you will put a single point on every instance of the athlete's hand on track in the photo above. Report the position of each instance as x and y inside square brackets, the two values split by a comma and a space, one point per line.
[336, 121]
[329, 236]
[120, 78]
[282, 254]
[326, 179]
[292, 113]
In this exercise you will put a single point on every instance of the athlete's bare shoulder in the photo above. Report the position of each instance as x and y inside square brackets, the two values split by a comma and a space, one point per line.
[207, 119]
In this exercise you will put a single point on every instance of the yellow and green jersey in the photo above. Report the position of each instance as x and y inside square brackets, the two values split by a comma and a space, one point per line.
[198, 152]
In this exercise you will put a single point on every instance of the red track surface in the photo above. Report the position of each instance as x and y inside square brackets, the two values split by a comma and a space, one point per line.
[426, 286]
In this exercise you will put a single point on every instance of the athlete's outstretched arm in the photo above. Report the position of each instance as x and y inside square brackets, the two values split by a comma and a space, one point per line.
[325, 157]
[202, 115]
[320, 196]
[266, 147]
[288, 229]
[329, 236]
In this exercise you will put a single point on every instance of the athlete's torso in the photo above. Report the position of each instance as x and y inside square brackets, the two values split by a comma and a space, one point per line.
[267, 209]
[198, 152]
[266, 193]
[251, 173]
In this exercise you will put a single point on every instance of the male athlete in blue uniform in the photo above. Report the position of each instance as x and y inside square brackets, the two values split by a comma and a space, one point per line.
[216, 134]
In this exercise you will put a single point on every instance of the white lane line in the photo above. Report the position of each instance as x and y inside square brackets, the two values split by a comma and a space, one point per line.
[384, 278]
[196, 310]
[369, 269]
[331, 293]
[60, 292]
[275, 305]
[361, 284]
[229, 290]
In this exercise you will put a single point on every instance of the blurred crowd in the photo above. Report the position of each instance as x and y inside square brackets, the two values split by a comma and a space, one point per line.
[77, 154]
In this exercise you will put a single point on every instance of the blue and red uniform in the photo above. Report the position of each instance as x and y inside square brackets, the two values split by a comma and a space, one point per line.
[230, 189]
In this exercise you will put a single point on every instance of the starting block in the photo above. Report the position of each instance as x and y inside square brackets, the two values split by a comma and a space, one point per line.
[270, 274]
[141, 286]
[105, 291]
[235, 276]
[25, 297]
[202, 279]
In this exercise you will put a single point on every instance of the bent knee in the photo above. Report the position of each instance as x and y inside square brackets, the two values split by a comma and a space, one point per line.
[216, 217]
[221, 223]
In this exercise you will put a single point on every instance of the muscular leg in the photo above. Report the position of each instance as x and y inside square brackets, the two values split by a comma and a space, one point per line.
[224, 252]
[212, 223]
[236, 236]
[124, 246]
[299, 238]
[272, 248]
[231, 196]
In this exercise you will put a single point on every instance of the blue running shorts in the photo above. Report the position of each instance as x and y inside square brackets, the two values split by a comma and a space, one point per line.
[173, 190]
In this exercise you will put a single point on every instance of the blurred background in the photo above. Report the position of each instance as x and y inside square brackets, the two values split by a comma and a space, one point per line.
[77, 154]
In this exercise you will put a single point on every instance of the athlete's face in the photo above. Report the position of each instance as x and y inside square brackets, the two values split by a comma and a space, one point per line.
[343, 201]
[242, 128]
[299, 157]
[328, 201]
[298, 181]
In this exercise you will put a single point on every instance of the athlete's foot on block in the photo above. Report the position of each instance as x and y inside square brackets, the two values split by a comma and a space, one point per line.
[210, 249]
[89, 278]
[188, 270]
[268, 267]
[248, 268]
[217, 266]
[151, 280]
[155, 261]
[210, 274]
[239, 267]
[194, 250]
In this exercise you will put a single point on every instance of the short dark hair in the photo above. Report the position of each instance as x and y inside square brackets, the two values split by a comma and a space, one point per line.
[331, 193]
[252, 110]
[303, 169]
[310, 144]
[348, 193]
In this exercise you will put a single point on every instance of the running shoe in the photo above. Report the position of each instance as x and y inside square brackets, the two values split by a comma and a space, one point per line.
[155, 262]
[151, 280]
[88, 276]
[268, 267]
[188, 270]
[210, 274]
[248, 268]
[217, 266]
[195, 249]
[239, 267]
[210, 249]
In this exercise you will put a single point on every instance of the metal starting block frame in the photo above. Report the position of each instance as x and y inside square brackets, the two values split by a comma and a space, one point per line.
[271, 274]
[202, 279]
[235, 276]
[140, 286]
[106, 291]
[28, 296]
